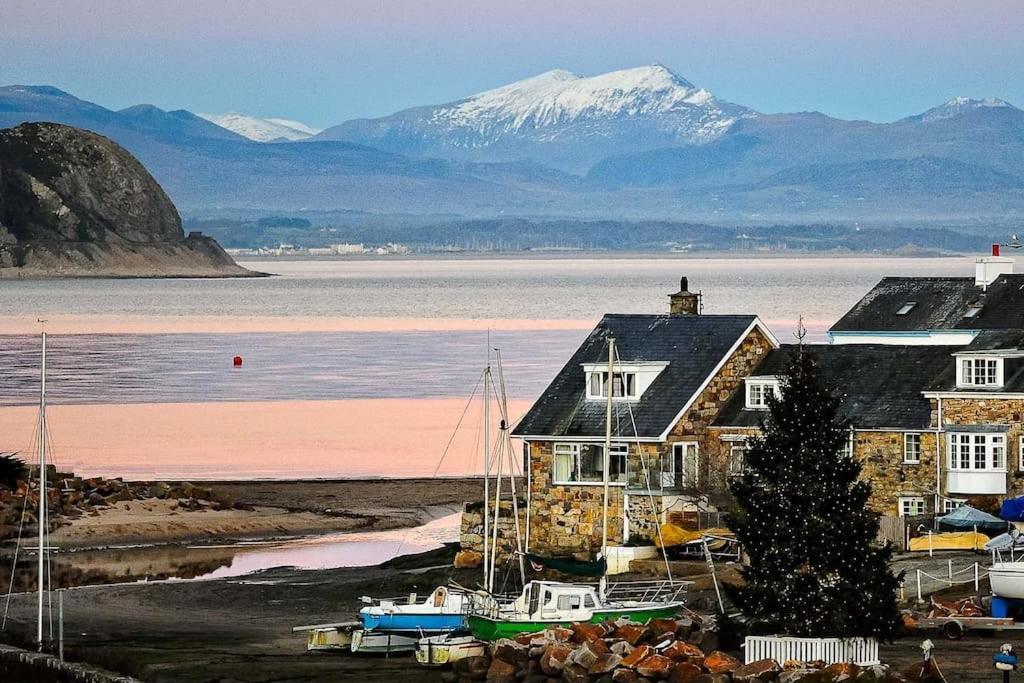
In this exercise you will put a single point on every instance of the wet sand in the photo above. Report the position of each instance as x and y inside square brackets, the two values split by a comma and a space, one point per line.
[279, 439]
[276, 510]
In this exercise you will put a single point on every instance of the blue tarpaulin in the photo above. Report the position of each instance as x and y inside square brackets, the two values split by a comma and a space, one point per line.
[1012, 509]
[965, 517]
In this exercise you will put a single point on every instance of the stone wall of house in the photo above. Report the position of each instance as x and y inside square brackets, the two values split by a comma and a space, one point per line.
[567, 519]
[643, 518]
[695, 424]
[471, 533]
[880, 454]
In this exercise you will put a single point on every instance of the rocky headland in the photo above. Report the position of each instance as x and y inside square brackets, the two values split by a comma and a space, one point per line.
[76, 204]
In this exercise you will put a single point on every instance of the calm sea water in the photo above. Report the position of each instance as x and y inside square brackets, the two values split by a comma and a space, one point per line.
[774, 288]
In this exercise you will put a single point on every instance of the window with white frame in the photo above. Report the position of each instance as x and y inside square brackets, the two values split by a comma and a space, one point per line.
[950, 504]
[1020, 454]
[623, 384]
[912, 448]
[737, 459]
[979, 372]
[846, 450]
[911, 506]
[583, 463]
[758, 391]
[970, 451]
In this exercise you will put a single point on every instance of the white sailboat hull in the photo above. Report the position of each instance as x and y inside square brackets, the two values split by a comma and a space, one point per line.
[1007, 579]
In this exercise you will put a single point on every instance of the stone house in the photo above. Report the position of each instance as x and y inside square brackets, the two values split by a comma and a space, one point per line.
[672, 375]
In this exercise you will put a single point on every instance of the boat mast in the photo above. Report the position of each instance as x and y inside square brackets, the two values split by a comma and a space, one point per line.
[42, 494]
[506, 442]
[607, 457]
[487, 466]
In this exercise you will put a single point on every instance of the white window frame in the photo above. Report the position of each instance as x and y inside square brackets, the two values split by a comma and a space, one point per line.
[976, 451]
[757, 392]
[681, 448]
[846, 450]
[574, 451]
[947, 507]
[906, 501]
[1020, 453]
[979, 371]
[737, 454]
[598, 379]
[908, 458]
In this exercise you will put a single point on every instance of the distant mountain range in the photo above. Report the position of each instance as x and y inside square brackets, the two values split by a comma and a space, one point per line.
[639, 143]
[262, 130]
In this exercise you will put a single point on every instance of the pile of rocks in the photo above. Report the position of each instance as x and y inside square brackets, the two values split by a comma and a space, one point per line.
[71, 497]
[677, 651]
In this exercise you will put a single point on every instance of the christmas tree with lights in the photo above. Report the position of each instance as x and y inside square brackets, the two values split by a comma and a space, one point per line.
[802, 518]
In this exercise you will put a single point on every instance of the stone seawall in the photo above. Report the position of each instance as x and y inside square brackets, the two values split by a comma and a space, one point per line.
[24, 666]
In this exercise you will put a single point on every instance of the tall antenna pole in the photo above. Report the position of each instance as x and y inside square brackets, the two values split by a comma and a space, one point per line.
[608, 455]
[42, 494]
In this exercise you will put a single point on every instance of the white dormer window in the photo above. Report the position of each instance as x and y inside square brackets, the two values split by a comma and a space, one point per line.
[628, 382]
[906, 308]
[758, 390]
[979, 371]
[623, 384]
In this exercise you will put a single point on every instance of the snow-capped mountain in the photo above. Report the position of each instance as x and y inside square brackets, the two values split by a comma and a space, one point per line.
[557, 117]
[262, 130]
[960, 105]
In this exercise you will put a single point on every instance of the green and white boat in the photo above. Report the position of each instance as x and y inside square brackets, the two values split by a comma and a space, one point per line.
[550, 603]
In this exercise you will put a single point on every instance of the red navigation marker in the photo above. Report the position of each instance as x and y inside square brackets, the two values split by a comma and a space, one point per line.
[238, 361]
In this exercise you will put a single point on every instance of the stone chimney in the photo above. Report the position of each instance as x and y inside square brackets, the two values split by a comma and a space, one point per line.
[684, 302]
[988, 268]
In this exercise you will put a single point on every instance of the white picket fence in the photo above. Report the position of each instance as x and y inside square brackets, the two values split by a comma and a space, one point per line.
[861, 651]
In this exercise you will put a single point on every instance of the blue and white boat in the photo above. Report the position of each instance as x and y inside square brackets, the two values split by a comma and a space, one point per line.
[444, 610]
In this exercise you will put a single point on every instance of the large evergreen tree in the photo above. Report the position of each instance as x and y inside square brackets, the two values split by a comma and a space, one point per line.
[813, 568]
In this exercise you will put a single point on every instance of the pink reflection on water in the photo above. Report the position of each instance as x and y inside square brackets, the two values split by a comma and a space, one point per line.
[269, 439]
[343, 550]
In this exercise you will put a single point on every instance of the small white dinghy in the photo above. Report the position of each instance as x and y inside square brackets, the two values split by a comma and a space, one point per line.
[448, 648]
[329, 637]
[382, 642]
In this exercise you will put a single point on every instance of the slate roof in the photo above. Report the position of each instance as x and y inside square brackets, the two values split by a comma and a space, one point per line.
[692, 345]
[941, 303]
[881, 383]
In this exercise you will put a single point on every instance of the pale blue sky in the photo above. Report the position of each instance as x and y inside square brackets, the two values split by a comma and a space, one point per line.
[323, 62]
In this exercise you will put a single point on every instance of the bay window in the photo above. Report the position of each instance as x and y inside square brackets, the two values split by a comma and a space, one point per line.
[968, 451]
[576, 463]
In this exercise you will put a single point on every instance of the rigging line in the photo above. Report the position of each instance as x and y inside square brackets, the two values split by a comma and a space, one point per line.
[17, 548]
[451, 439]
[647, 480]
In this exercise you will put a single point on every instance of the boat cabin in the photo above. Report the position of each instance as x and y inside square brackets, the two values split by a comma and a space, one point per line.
[546, 600]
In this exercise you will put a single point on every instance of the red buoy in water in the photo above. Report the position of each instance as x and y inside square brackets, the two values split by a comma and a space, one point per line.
[238, 361]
